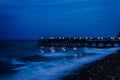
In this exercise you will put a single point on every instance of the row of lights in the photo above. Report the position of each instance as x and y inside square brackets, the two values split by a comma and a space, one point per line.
[69, 38]
[100, 37]
[112, 38]
[52, 49]
[51, 37]
[80, 38]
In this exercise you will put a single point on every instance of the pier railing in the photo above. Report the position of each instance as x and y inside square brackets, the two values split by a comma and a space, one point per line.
[80, 42]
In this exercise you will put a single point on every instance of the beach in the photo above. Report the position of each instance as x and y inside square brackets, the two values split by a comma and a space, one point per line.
[105, 69]
[28, 62]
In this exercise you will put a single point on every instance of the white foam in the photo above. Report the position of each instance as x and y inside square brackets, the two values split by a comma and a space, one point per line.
[58, 54]
[55, 69]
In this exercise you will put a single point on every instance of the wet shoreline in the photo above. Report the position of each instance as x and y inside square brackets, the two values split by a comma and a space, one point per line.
[105, 69]
[45, 66]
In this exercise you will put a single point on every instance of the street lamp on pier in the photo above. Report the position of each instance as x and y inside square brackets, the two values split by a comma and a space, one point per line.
[42, 37]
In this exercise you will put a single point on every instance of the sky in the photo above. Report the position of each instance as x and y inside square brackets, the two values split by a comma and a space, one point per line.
[32, 19]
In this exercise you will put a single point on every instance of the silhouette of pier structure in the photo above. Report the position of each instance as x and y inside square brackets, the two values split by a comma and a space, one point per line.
[99, 42]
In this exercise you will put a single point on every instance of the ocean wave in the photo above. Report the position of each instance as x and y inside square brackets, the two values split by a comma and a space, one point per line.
[7, 65]
[57, 65]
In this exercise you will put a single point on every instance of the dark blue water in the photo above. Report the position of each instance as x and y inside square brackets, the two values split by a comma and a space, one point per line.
[24, 60]
[11, 48]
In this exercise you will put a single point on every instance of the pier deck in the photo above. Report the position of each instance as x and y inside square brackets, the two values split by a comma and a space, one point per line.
[80, 42]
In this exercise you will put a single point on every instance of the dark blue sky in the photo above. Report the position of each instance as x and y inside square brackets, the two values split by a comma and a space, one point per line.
[31, 19]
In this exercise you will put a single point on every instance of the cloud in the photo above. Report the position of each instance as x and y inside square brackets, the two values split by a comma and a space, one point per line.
[31, 17]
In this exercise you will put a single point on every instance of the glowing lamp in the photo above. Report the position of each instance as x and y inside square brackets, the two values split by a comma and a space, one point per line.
[42, 51]
[52, 50]
[80, 38]
[59, 37]
[74, 48]
[63, 49]
[113, 38]
[101, 37]
[42, 37]
[119, 38]
[52, 37]
[74, 37]
[90, 37]
[98, 37]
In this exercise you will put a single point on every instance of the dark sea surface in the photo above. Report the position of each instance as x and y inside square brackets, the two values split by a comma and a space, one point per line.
[17, 48]
[25, 60]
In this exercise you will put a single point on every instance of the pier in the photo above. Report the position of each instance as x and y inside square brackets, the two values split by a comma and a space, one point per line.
[99, 42]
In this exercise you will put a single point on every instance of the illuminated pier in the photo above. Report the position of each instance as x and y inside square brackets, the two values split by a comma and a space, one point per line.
[99, 42]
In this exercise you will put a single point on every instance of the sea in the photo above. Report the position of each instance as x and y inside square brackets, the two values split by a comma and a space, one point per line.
[26, 60]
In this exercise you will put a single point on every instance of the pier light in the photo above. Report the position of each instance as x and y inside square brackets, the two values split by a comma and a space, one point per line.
[63, 49]
[90, 37]
[101, 37]
[63, 38]
[119, 38]
[42, 37]
[41, 51]
[59, 37]
[86, 38]
[52, 49]
[74, 37]
[98, 37]
[51, 37]
[112, 38]
[74, 48]
[80, 38]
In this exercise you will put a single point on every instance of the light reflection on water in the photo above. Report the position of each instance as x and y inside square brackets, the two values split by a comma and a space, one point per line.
[59, 63]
